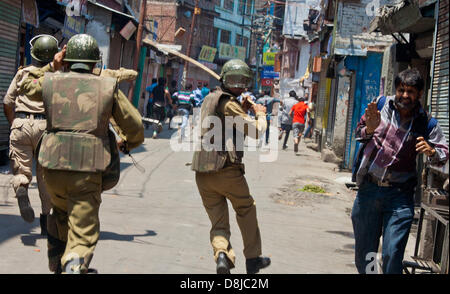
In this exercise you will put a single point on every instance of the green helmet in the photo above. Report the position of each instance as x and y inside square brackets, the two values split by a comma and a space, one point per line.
[44, 48]
[236, 74]
[82, 49]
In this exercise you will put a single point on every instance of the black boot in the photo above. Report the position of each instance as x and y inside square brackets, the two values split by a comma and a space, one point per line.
[26, 211]
[223, 264]
[253, 265]
[43, 221]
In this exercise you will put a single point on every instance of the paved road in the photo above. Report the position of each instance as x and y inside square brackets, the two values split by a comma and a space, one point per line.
[154, 222]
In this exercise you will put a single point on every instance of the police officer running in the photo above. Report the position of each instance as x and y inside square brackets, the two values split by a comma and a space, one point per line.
[27, 120]
[220, 173]
[76, 148]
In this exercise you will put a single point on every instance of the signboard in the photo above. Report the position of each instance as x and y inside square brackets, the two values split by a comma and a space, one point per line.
[269, 73]
[269, 58]
[209, 65]
[152, 28]
[267, 82]
[207, 54]
[227, 51]
[73, 25]
[128, 30]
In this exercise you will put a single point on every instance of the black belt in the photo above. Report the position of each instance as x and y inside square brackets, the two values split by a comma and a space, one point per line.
[380, 183]
[28, 115]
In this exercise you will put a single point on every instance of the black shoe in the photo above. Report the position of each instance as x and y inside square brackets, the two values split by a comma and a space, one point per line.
[253, 265]
[43, 221]
[285, 147]
[223, 264]
[26, 211]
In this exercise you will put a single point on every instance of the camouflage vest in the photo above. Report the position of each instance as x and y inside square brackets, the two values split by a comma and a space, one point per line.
[214, 160]
[78, 108]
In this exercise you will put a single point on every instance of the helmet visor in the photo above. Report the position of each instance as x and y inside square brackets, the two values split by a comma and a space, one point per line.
[237, 81]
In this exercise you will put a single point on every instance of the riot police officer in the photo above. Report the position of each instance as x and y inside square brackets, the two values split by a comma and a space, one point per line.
[27, 120]
[220, 171]
[76, 148]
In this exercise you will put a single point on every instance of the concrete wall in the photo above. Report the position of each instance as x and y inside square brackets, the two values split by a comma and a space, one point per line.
[98, 29]
[352, 24]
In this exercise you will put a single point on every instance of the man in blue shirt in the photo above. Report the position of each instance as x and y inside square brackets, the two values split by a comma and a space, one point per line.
[149, 107]
[205, 90]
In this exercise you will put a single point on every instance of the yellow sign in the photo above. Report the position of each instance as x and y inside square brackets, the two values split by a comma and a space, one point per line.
[269, 58]
[197, 10]
[207, 54]
[227, 51]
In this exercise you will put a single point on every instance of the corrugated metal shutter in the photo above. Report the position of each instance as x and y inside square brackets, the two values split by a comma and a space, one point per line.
[10, 13]
[321, 97]
[331, 113]
[439, 91]
[348, 160]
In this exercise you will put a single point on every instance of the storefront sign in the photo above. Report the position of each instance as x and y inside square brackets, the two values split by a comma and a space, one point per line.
[128, 30]
[207, 54]
[269, 73]
[209, 65]
[227, 51]
[267, 82]
[73, 25]
[269, 58]
[152, 28]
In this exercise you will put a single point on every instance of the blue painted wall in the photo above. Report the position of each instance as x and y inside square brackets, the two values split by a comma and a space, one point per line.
[367, 87]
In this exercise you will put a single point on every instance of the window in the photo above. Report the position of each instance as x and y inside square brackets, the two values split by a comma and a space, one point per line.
[225, 36]
[228, 4]
[238, 40]
[214, 37]
[249, 6]
[241, 9]
[245, 44]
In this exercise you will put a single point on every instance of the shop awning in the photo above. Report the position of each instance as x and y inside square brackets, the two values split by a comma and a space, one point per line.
[99, 4]
[405, 17]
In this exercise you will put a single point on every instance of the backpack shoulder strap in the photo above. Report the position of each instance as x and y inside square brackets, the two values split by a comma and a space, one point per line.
[380, 103]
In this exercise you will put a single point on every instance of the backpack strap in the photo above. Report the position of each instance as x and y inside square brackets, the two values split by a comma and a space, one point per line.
[381, 102]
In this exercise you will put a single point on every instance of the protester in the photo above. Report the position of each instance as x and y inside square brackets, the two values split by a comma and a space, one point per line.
[285, 120]
[298, 112]
[392, 132]
[185, 101]
[268, 102]
[161, 98]
[149, 107]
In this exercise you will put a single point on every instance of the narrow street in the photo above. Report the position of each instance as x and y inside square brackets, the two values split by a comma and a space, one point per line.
[155, 222]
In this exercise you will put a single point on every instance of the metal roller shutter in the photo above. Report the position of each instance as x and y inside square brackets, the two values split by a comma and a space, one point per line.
[439, 88]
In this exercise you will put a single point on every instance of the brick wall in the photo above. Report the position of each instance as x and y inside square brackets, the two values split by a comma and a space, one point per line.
[165, 14]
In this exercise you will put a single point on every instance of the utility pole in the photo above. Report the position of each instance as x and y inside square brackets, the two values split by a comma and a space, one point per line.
[188, 49]
[138, 45]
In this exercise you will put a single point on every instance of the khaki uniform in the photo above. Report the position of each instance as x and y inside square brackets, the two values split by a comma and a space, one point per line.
[75, 184]
[26, 130]
[228, 182]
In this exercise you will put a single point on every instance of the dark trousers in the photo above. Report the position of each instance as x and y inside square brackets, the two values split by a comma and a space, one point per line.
[287, 128]
[387, 211]
[159, 112]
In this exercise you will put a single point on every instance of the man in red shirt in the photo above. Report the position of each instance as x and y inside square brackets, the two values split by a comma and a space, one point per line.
[298, 112]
